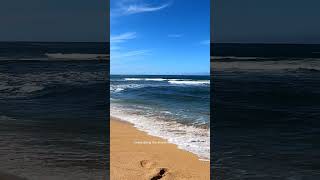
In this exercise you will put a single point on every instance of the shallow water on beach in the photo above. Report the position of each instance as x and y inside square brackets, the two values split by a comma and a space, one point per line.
[175, 108]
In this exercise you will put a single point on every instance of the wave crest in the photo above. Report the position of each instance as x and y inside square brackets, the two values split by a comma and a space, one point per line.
[186, 82]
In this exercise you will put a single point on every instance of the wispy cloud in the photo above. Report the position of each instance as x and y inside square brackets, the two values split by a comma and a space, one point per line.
[114, 47]
[125, 7]
[120, 52]
[135, 53]
[122, 37]
[175, 35]
[205, 42]
[140, 8]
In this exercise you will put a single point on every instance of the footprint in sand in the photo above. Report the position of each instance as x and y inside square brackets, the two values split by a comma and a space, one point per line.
[155, 173]
[147, 164]
[161, 172]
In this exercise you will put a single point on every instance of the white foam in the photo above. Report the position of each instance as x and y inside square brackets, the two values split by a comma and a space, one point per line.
[145, 79]
[155, 79]
[189, 138]
[198, 82]
[122, 87]
[133, 79]
[116, 89]
[172, 81]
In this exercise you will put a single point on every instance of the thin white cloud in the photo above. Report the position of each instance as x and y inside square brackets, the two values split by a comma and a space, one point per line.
[135, 53]
[114, 47]
[205, 42]
[125, 7]
[140, 8]
[123, 37]
[175, 35]
[118, 51]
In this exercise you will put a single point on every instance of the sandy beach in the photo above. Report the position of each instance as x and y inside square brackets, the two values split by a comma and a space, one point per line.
[136, 155]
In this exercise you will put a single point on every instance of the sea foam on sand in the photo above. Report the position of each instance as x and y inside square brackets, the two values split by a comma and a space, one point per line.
[186, 137]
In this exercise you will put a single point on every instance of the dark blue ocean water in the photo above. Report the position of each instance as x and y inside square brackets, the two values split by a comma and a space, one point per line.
[172, 107]
[265, 122]
[53, 116]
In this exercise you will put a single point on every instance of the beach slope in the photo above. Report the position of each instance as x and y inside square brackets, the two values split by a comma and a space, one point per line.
[137, 155]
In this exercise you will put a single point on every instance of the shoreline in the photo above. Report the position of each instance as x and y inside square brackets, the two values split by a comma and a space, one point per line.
[134, 154]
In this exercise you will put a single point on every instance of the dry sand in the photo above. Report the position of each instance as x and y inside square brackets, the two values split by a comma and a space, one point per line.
[132, 157]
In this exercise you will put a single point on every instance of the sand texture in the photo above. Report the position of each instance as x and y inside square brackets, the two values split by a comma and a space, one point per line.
[135, 155]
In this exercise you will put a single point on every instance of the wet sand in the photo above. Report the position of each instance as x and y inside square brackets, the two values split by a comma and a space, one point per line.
[136, 155]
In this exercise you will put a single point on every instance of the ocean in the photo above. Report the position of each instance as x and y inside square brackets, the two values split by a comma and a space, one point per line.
[176, 108]
[265, 111]
[53, 110]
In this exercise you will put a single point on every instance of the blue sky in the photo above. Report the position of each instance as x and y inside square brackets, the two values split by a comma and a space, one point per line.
[160, 36]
